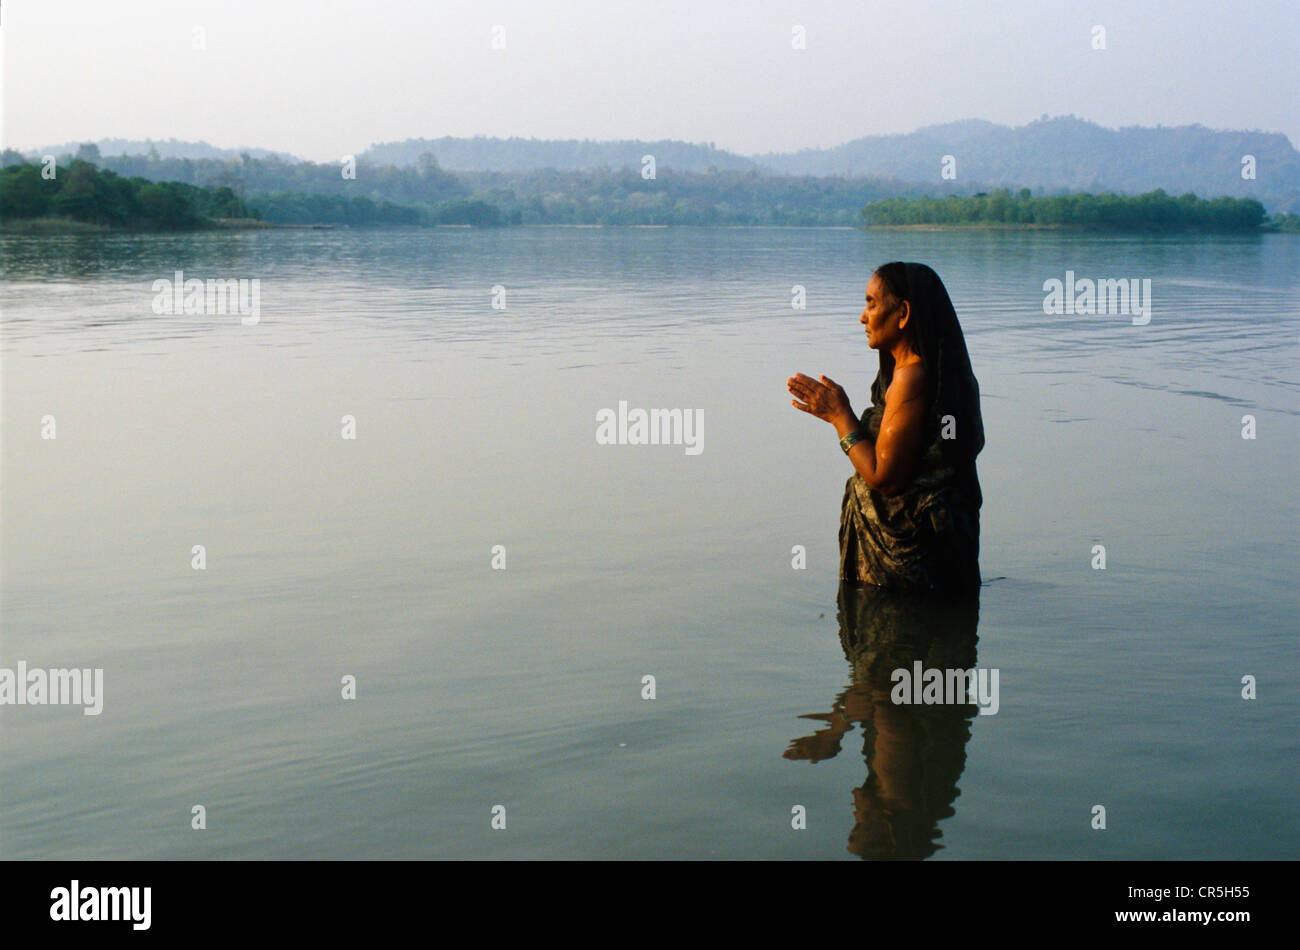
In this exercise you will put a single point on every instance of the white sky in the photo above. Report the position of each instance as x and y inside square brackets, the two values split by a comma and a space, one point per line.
[326, 78]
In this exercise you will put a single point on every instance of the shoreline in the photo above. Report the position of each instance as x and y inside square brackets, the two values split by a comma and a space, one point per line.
[57, 226]
[41, 226]
[982, 226]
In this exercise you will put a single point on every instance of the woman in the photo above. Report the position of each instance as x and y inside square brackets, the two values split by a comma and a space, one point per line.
[910, 516]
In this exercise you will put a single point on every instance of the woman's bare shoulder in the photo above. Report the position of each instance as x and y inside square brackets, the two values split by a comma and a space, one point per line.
[908, 381]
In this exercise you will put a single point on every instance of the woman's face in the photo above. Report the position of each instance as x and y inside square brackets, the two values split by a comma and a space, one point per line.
[881, 316]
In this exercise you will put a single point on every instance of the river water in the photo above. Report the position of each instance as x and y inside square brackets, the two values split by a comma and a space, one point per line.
[379, 557]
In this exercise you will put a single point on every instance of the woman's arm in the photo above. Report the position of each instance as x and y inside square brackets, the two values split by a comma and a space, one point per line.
[886, 465]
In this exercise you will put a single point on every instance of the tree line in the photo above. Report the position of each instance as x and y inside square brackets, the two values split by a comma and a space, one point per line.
[300, 208]
[81, 192]
[277, 192]
[1152, 211]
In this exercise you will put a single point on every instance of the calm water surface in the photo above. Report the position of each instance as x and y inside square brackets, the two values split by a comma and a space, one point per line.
[475, 427]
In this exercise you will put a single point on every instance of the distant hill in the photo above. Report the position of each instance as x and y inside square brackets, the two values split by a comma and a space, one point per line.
[1052, 154]
[482, 154]
[171, 148]
[1064, 153]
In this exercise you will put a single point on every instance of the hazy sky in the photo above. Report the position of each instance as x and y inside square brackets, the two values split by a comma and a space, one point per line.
[322, 78]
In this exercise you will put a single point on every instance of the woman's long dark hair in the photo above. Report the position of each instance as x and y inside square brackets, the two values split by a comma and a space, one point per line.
[950, 385]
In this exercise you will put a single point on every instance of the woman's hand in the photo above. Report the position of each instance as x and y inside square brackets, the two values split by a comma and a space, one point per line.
[826, 400]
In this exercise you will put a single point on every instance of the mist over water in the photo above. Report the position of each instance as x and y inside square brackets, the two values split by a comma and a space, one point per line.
[475, 427]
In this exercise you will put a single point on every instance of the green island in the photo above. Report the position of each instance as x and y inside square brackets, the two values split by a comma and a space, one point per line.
[1152, 211]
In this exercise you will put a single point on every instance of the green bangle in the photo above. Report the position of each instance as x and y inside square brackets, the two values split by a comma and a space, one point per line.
[854, 437]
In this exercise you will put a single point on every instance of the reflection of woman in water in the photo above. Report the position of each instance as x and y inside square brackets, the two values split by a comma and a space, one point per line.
[910, 517]
[914, 753]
